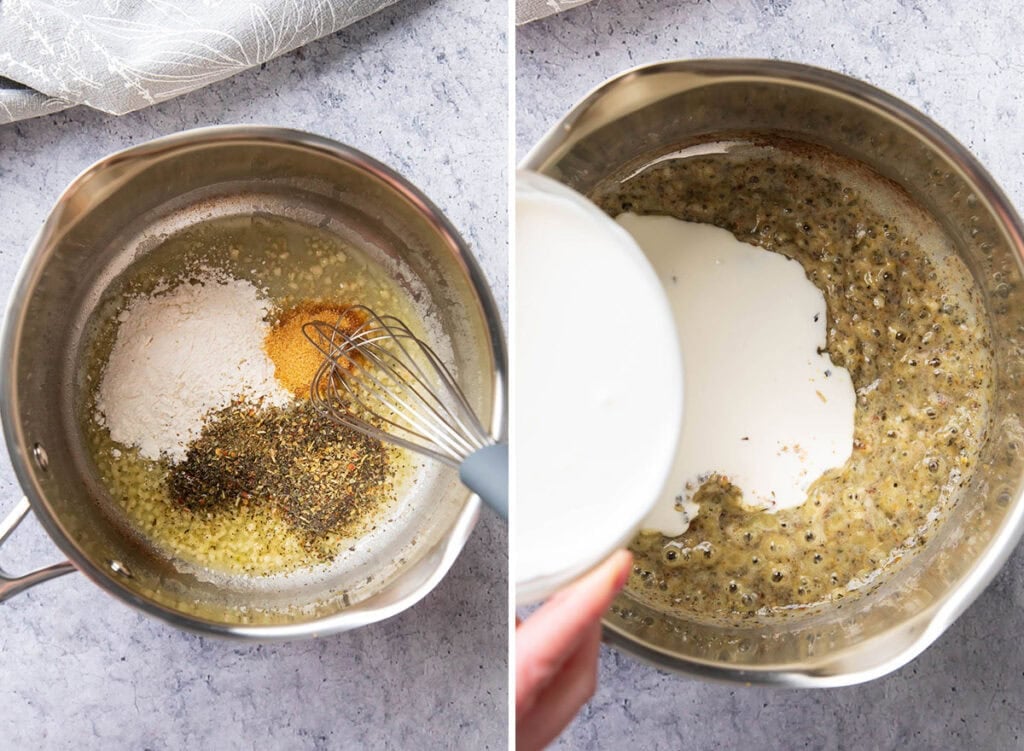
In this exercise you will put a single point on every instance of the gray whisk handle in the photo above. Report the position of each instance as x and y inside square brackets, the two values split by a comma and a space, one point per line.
[485, 472]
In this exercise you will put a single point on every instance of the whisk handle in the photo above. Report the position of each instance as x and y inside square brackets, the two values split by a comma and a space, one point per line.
[485, 472]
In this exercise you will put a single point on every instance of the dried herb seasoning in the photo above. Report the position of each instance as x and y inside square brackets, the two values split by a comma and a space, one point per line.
[319, 478]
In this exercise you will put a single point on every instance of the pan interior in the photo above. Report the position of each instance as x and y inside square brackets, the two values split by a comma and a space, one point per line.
[658, 111]
[135, 207]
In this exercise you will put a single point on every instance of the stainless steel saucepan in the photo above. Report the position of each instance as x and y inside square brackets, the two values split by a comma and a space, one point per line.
[654, 110]
[122, 207]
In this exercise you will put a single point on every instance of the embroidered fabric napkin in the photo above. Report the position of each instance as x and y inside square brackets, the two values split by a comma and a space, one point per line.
[122, 55]
[531, 10]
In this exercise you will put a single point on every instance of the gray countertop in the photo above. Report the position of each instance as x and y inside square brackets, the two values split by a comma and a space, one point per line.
[420, 86]
[961, 64]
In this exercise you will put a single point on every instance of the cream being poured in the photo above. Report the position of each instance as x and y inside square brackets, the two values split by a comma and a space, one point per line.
[764, 405]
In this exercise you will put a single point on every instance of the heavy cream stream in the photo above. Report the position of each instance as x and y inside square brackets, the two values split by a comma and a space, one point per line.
[764, 406]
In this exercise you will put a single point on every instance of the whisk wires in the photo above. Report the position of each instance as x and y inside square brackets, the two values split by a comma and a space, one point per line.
[384, 381]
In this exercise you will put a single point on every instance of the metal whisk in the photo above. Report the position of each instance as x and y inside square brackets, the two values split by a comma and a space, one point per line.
[385, 382]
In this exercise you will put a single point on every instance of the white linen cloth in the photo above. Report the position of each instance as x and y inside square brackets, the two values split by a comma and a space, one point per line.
[122, 55]
[532, 10]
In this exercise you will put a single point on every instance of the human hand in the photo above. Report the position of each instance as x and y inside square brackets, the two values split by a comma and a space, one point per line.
[556, 653]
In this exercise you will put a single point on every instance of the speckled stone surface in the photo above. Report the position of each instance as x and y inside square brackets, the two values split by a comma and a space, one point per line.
[420, 86]
[960, 63]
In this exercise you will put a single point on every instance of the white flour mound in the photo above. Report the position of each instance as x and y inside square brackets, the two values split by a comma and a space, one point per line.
[180, 353]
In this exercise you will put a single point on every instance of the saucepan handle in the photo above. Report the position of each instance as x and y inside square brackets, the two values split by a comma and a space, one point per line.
[11, 585]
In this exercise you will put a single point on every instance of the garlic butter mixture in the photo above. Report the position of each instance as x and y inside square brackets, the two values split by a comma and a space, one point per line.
[903, 318]
[196, 407]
